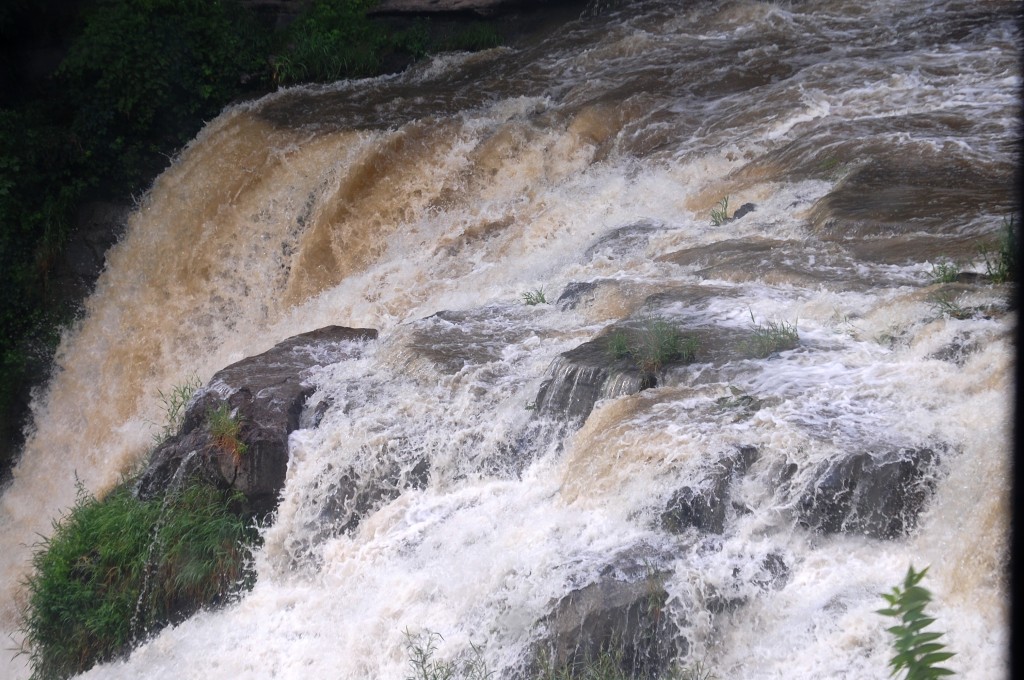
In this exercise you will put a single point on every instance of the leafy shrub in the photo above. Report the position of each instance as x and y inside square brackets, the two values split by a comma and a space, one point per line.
[117, 568]
[917, 652]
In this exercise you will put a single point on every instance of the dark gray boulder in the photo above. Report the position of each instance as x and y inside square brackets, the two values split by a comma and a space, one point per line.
[265, 395]
[623, 615]
[878, 494]
[584, 375]
[703, 505]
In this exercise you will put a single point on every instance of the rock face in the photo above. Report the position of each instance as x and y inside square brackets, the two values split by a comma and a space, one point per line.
[623, 614]
[703, 505]
[876, 494]
[582, 376]
[264, 395]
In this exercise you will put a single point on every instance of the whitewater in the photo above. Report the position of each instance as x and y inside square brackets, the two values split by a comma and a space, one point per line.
[874, 140]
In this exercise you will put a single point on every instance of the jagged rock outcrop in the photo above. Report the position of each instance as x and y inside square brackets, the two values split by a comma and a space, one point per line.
[264, 395]
[703, 505]
[879, 494]
[624, 614]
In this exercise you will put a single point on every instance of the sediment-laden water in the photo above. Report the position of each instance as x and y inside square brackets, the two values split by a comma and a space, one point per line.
[875, 140]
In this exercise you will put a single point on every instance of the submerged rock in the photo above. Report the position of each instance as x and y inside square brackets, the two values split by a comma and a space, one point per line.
[623, 615]
[584, 375]
[703, 505]
[876, 494]
[260, 398]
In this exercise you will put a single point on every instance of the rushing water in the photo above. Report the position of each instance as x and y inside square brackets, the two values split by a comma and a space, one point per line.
[876, 139]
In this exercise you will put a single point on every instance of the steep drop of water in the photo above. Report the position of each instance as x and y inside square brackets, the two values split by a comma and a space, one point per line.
[874, 141]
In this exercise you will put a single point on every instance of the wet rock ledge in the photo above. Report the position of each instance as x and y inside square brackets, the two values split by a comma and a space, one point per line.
[264, 395]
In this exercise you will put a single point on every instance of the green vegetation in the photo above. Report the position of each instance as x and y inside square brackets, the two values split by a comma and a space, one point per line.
[720, 213]
[945, 272]
[772, 337]
[174, 403]
[225, 428]
[1001, 260]
[331, 40]
[652, 346]
[947, 307]
[535, 297]
[917, 653]
[422, 648]
[117, 569]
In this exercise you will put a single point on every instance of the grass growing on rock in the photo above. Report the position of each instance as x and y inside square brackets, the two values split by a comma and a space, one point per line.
[653, 345]
[226, 429]
[117, 568]
[772, 337]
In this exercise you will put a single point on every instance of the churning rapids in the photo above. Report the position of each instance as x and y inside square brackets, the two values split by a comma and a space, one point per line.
[875, 140]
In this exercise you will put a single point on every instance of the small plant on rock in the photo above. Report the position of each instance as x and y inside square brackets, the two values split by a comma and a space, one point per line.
[174, 403]
[535, 297]
[1001, 263]
[917, 653]
[945, 272]
[225, 428]
[947, 307]
[422, 649]
[720, 213]
[772, 337]
[652, 346]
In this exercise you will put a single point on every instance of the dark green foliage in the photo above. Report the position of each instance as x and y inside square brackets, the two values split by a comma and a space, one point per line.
[917, 652]
[333, 39]
[474, 37]
[145, 74]
[118, 568]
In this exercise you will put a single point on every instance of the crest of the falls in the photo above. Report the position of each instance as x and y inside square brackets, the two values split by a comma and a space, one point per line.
[874, 141]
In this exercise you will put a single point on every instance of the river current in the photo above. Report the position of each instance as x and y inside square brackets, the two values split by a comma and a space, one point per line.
[875, 140]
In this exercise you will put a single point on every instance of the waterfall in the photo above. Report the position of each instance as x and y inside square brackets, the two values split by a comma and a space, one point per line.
[874, 142]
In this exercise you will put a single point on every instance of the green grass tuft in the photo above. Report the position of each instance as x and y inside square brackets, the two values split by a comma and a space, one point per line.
[1001, 261]
[945, 272]
[225, 428]
[174, 403]
[535, 297]
[118, 568]
[917, 653]
[424, 665]
[720, 213]
[772, 337]
[652, 346]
